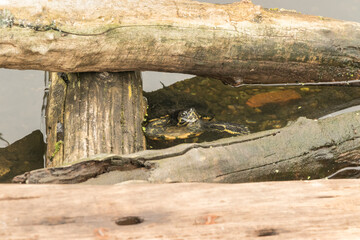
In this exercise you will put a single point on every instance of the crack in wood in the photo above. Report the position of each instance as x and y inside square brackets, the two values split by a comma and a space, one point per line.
[177, 8]
[63, 115]
[17, 198]
[54, 221]
[265, 232]
[289, 159]
[258, 167]
[193, 146]
[232, 23]
[49, 28]
[8, 43]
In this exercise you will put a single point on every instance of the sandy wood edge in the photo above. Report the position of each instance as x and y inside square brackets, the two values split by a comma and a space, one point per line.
[238, 43]
[322, 209]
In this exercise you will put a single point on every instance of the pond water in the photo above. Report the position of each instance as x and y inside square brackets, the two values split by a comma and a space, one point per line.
[22, 92]
[257, 107]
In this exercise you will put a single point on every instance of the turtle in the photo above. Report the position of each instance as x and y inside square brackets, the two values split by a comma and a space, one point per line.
[188, 124]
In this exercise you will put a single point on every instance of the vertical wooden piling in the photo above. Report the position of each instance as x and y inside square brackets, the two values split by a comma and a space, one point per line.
[92, 113]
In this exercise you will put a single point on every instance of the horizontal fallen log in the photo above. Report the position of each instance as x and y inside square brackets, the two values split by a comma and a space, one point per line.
[321, 209]
[238, 43]
[305, 149]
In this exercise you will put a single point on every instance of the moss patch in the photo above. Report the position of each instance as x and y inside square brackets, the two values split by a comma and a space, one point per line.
[57, 149]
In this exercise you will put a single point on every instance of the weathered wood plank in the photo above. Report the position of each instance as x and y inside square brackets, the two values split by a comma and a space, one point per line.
[239, 42]
[323, 209]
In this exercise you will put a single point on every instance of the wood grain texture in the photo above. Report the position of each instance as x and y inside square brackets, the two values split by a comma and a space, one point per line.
[238, 43]
[324, 209]
[98, 113]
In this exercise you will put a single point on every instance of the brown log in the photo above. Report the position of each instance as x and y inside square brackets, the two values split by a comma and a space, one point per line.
[303, 150]
[325, 209]
[239, 42]
[93, 113]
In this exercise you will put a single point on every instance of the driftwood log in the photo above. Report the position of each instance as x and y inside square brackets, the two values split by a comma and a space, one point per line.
[305, 149]
[238, 43]
[322, 209]
[93, 113]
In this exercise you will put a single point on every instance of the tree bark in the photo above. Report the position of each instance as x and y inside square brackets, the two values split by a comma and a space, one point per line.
[93, 113]
[326, 209]
[238, 43]
[303, 150]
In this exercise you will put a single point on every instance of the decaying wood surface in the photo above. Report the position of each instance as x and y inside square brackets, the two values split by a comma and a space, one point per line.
[302, 150]
[93, 113]
[321, 209]
[239, 42]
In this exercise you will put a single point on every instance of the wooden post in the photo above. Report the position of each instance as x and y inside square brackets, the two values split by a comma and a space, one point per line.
[92, 113]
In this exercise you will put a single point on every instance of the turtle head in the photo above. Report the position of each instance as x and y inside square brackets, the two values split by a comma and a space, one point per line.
[188, 116]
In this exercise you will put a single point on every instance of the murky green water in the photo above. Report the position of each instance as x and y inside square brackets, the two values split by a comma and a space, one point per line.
[257, 107]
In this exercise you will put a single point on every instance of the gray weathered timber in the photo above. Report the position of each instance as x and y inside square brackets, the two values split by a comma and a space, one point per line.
[93, 113]
[238, 43]
[322, 209]
[302, 150]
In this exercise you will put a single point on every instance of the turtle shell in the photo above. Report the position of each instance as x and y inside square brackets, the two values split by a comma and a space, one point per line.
[188, 124]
